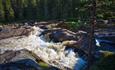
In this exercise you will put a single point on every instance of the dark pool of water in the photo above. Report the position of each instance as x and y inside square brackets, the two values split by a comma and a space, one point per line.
[106, 43]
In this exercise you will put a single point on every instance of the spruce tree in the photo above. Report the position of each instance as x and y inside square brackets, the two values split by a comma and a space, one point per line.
[1, 11]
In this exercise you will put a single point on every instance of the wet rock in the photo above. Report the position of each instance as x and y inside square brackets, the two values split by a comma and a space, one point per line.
[85, 43]
[7, 56]
[25, 64]
[72, 43]
[63, 24]
[35, 44]
[59, 35]
[0, 28]
[8, 32]
[43, 26]
[11, 56]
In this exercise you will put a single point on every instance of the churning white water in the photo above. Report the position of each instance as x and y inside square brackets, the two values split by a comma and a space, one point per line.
[51, 53]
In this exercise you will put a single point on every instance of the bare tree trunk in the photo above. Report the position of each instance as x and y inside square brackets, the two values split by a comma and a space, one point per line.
[92, 39]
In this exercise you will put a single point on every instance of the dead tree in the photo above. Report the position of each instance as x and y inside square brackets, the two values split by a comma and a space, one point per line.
[91, 34]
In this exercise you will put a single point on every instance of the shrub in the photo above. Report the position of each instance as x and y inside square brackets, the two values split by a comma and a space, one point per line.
[74, 25]
[107, 62]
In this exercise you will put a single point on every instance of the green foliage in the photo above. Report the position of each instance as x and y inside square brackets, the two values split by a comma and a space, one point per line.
[9, 9]
[73, 25]
[106, 62]
[54, 9]
[43, 65]
[105, 9]
[1, 11]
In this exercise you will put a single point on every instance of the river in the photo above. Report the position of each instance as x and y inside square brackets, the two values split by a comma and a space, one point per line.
[53, 54]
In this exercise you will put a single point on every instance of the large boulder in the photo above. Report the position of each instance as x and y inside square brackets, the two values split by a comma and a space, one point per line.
[18, 60]
[24, 64]
[11, 56]
[59, 35]
[7, 32]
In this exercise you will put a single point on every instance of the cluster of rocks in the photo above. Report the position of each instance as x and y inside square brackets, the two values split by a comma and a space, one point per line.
[67, 38]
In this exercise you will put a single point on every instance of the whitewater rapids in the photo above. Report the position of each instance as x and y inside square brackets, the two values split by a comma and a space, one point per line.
[51, 53]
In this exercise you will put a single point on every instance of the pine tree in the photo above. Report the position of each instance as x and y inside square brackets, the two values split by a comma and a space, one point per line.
[9, 9]
[9, 12]
[1, 11]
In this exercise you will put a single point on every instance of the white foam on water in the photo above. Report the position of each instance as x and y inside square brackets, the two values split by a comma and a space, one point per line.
[44, 50]
[80, 63]
[97, 43]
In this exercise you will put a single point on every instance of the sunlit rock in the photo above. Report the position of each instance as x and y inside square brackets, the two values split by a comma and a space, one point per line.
[59, 35]
[52, 53]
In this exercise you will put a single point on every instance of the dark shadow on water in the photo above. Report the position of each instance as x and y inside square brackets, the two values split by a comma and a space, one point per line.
[25, 64]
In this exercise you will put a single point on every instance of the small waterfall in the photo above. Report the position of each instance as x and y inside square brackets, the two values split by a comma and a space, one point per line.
[97, 43]
[52, 53]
